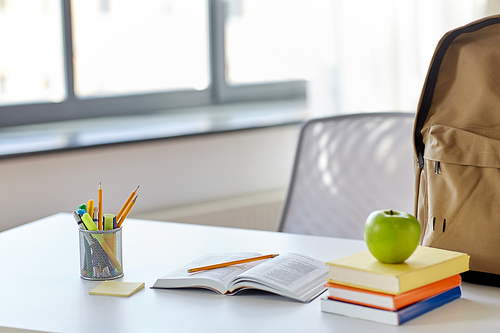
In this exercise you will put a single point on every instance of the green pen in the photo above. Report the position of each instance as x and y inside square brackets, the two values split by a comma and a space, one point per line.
[83, 206]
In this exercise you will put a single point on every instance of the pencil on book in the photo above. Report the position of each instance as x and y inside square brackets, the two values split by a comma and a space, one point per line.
[231, 263]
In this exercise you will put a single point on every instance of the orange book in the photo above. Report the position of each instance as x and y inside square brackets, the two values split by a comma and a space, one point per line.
[387, 301]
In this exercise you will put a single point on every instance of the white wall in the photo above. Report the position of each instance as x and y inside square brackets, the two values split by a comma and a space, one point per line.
[170, 173]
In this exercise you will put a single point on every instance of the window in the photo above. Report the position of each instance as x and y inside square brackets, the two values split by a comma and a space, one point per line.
[267, 41]
[31, 60]
[130, 49]
[75, 59]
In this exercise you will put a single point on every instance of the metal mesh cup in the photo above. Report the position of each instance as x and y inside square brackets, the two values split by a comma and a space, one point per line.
[101, 254]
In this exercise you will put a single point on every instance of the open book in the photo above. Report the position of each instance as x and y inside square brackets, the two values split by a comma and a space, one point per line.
[291, 275]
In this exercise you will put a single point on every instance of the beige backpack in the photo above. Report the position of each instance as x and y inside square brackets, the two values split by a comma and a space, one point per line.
[457, 147]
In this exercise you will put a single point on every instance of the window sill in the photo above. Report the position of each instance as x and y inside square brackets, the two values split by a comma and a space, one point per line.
[62, 136]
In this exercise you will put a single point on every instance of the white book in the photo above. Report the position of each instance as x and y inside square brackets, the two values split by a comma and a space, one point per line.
[291, 275]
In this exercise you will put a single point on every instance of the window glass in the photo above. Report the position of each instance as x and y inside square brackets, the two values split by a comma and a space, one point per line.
[125, 46]
[31, 53]
[268, 40]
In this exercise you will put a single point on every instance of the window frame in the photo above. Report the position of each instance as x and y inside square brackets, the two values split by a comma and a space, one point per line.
[218, 92]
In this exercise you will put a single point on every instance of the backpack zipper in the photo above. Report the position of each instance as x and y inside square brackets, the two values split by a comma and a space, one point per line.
[430, 84]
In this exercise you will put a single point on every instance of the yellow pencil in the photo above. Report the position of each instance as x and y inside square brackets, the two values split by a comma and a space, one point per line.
[231, 263]
[124, 216]
[100, 207]
[125, 205]
[90, 207]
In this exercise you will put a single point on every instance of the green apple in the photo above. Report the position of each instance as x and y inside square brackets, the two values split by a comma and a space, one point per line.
[391, 236]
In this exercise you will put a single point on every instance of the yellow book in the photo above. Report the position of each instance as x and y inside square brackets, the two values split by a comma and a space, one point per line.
[117, 288]
[426, 265]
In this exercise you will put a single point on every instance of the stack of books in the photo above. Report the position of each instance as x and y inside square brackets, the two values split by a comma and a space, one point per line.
[360, 286]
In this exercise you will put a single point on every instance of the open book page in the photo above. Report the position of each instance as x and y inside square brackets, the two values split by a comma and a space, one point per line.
[292, 275]
[216, 279]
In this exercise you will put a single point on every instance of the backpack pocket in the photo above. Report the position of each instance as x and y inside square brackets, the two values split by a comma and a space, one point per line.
[462, 194]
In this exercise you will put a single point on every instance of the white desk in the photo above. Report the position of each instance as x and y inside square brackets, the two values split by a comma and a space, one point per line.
[40, 286]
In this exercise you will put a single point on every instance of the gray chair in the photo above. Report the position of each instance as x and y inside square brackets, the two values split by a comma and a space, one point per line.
[346, 167]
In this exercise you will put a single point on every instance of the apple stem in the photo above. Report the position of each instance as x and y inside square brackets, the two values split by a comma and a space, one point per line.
[392, 213]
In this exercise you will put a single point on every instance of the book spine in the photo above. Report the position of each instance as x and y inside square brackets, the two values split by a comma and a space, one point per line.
[428, 304]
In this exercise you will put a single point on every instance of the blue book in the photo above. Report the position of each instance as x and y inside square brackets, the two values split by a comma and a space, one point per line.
[390, 317]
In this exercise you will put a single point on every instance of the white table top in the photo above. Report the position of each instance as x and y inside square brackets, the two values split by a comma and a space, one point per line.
[41, 289]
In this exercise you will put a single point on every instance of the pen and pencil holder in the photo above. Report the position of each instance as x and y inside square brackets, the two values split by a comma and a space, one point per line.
[101, 254]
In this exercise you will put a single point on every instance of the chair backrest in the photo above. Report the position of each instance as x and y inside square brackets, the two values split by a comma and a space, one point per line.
[346, 167]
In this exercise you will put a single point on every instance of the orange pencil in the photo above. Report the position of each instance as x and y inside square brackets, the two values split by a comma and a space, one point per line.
[125, 205]
[124, 216]
[231, 263]
[100, 207]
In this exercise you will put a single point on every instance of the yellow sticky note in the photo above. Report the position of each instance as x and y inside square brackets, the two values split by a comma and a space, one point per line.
[116, 288]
